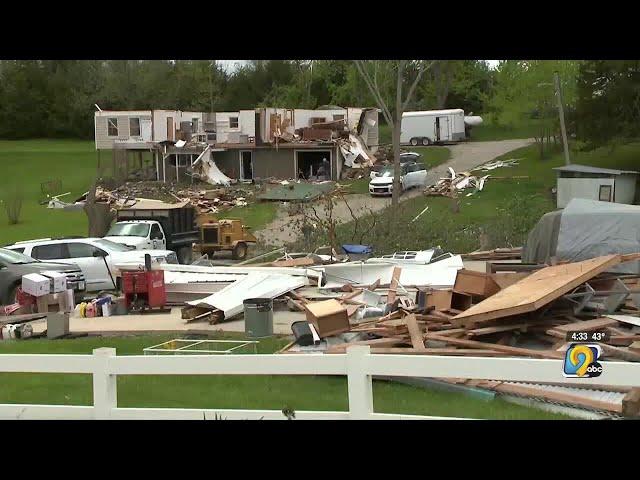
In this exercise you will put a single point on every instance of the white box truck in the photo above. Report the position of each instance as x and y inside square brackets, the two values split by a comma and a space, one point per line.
[432, 126]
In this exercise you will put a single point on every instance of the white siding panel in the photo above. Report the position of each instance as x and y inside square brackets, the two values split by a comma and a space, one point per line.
[248, 122]
[625, 190]
[588, 188]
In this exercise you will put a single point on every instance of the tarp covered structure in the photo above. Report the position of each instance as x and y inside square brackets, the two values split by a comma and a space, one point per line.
[586, 229]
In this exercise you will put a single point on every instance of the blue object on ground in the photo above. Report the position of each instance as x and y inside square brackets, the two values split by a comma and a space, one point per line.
[357, 249]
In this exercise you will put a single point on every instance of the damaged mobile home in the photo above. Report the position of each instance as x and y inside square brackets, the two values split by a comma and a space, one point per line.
[243, 145]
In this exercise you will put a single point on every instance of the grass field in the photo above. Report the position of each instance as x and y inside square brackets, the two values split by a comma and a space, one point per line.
[27, 164]
[232, 391]
[506, 209]
[490, 132]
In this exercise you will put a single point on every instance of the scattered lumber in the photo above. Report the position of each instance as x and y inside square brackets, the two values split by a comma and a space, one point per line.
[631, 403]
[395, 278]
[414, 331]
[377, 342]
[586, 325]
[536, 290]
[437, 351]
[295, 262]
[526, 352]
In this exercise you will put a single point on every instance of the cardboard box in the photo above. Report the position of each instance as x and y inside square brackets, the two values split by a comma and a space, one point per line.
[58, 281]
[329, 317]
[35, 284]
[475, 283]
[443, 299]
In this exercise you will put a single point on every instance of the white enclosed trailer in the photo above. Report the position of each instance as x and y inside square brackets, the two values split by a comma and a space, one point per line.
[432, 126]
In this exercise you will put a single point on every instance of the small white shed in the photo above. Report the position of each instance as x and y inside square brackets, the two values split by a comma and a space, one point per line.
[593, 183]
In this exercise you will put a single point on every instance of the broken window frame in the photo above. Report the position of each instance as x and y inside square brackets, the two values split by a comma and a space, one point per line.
[233, 120]
[131, 134]
[112, 122]
[181, 160]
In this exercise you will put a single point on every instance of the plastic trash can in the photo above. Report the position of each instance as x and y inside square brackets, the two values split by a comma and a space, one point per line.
[258, 317]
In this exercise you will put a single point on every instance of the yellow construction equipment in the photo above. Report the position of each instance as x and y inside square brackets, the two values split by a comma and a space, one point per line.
[223, 234]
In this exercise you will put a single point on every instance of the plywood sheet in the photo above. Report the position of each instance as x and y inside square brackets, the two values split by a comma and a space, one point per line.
[537, 290]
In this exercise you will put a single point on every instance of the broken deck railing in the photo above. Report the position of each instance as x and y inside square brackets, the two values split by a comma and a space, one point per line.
[358, 365]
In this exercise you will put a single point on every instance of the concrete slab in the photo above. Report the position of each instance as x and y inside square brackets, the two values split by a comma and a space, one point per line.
[165, 322]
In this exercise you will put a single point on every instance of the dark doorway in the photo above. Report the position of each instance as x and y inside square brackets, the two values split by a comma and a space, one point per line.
[246, 165]
[314, 165]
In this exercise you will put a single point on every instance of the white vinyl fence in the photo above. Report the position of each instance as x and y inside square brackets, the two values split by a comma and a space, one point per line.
[358, 364]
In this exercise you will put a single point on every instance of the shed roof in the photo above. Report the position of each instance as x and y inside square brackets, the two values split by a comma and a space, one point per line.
[588, 169]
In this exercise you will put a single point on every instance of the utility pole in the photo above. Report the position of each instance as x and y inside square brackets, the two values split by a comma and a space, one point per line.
[563, 129]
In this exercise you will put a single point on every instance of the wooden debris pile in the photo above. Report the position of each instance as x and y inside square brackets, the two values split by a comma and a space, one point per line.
[456, 182]
[486, 167]
[533, 315]
[206, 199]
[495, 254]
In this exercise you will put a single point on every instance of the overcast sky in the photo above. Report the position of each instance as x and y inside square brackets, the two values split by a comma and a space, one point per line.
[230, 65]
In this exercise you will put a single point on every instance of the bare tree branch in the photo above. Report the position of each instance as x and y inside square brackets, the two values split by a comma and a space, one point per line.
[374, 91]
[415, 84]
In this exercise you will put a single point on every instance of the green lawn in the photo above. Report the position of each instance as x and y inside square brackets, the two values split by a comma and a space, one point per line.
[227, 391]
[26, 164]
[505, 210]
[256, 215]
[491, 132]
[432, 156]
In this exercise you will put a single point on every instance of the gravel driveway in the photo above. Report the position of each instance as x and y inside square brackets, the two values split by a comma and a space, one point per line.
[464, 156]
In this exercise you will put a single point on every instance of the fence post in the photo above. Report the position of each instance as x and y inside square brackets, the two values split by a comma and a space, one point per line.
[359, 383]
[105, 391]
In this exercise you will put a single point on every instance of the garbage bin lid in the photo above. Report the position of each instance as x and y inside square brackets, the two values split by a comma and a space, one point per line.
[256, 301]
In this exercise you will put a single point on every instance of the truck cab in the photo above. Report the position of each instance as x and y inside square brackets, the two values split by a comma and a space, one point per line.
[152, 224]
[138, 234]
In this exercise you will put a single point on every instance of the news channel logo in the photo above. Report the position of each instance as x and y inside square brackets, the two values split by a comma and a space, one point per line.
[581, 361]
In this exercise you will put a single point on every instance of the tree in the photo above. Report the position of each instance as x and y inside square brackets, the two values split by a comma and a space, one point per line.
[385, 80]
[608, 101]
[525, 94]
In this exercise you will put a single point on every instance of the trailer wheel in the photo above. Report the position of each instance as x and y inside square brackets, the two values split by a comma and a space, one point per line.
[413, 141]
[426, 141]
[239, 251]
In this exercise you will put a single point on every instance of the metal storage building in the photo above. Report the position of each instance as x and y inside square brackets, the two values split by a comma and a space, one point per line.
[594, 183]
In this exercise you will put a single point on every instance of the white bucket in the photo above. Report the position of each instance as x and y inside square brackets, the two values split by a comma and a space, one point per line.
[9, 332]
[106, 309]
